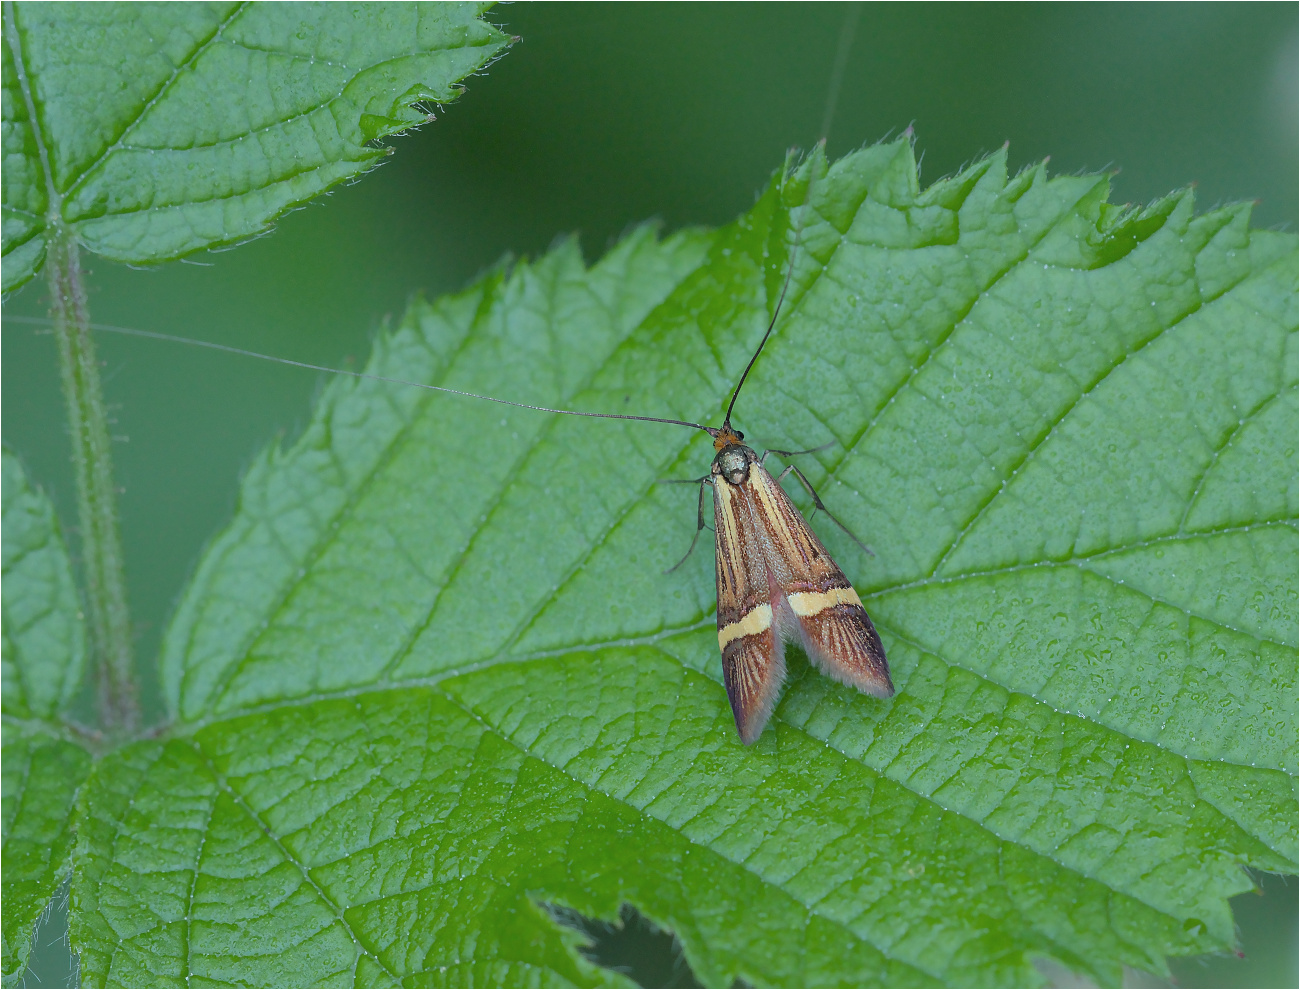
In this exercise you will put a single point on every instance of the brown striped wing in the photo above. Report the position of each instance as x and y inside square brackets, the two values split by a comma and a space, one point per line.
[753, 661]
[818, 605]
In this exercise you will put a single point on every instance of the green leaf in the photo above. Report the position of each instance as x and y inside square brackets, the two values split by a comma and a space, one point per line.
[155, 132]
[44, 652]
[41, 775]
[44, 638]
[434, 678]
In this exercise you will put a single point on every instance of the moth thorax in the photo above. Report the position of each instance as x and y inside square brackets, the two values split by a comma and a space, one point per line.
[733, 464]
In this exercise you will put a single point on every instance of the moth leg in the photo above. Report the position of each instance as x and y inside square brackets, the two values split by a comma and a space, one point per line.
[797, 453]
[819, 504]
[699, 520]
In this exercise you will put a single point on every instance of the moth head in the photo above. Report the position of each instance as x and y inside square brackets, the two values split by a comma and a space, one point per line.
[725, 436]
[732, 463]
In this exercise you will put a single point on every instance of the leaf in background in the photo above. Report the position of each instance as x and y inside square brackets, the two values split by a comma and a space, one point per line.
[44, 639]
[433, 676]
[157, 131]
[44, 645]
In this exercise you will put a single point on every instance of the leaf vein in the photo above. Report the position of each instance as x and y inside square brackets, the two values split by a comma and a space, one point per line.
[189, 898]
[946, 336]
[1250, 417]
[289, 857]
[1041, 441]
[326, 535]
[641, 812]
[152, 101]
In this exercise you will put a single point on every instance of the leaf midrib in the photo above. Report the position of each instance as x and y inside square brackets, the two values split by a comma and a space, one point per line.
[13, 38]
[185, 728]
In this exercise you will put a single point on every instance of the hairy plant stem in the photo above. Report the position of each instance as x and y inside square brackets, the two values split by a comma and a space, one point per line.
[92, 457]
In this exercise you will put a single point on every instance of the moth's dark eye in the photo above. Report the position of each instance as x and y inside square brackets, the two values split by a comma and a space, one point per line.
[739, 435]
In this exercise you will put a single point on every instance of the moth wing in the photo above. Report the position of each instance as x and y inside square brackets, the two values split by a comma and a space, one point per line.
[820, 607]
[753, 657]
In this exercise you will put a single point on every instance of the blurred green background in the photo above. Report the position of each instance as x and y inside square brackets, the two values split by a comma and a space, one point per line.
[607, 115]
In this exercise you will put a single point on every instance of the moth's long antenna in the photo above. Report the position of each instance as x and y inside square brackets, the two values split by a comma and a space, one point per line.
[775, 313]
[127, 331]
[785, 286]
[847, 31]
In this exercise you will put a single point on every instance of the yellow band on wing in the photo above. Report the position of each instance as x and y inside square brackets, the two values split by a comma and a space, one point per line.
[758, 619]
[805, 603]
